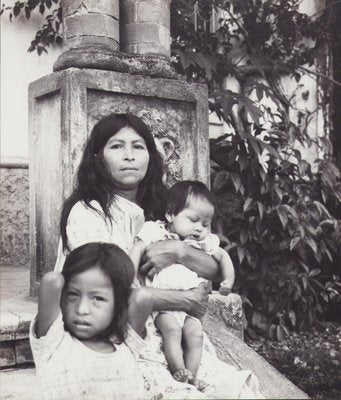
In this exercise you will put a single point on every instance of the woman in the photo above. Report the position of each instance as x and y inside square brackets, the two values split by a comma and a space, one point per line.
[119, 186]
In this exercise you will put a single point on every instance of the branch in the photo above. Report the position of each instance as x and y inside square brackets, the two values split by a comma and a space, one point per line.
[337, 83]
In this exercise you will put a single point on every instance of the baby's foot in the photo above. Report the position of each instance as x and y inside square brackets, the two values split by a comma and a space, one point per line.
[181, 375]
[198, 383]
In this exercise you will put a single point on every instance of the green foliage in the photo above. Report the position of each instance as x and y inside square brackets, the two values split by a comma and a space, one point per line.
[49, 33]
[275, 210]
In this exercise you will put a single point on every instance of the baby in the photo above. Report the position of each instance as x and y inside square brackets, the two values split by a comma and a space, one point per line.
[189, 212]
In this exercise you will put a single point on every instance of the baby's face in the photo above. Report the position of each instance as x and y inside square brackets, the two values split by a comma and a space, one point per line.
[88, 304]
[193, 222]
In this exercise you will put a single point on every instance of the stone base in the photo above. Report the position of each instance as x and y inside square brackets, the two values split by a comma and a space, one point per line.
[227, 309]
[103, 58]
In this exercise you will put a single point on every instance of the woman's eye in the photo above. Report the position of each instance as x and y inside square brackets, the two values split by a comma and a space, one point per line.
[139, 147]
[98, 298]
[71, 294]
[116, 146]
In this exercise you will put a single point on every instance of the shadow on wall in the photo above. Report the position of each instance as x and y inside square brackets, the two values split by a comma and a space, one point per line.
[14, 216]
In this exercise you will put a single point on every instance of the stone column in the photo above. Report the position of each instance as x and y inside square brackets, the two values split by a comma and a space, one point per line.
[145, 27]
[91, 22]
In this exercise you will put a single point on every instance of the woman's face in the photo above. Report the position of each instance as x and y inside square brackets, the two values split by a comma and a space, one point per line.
[126, 156]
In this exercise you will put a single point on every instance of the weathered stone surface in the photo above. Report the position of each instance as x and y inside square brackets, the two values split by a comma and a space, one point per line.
[23, 353]
[90, 22]
[70, 102]
[109, 7]
[19, 384]
[100, 57]
[14, 215]
[146, 37]
[145, 27]
[7, 354]
[232, 350]
[228, 309]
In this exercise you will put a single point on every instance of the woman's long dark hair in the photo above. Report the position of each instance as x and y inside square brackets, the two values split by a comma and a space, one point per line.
[94, 181]
[117, 265]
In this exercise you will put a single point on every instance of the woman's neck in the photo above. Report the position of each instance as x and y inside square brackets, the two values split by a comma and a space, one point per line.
[129, 194]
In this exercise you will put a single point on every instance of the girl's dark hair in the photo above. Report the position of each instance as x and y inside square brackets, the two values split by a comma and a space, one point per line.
[94, 181]
[115, 263]
[177, 197]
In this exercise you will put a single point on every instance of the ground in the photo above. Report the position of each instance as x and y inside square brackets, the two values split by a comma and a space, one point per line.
[310, 359]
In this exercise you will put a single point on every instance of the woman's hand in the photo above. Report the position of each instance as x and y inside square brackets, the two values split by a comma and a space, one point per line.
[160, 255]
[197, 306]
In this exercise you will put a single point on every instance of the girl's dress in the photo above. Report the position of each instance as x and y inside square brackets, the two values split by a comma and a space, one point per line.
[86, 225]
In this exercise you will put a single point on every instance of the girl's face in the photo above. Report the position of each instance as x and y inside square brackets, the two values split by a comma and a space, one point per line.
[193, 222]
[88, 304]
[126, 156]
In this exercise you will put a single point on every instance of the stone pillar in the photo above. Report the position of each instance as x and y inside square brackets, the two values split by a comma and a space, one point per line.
[145, 27]
[91, 22]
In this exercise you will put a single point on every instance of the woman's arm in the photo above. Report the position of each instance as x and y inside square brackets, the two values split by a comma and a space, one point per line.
[50, 293]
[193, 302]
[167, 252]
[136, 253]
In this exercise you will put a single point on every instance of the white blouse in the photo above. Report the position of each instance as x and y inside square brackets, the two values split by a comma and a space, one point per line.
[85, 225]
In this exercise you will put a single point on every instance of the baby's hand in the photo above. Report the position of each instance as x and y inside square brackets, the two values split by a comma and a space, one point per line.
[225, 287]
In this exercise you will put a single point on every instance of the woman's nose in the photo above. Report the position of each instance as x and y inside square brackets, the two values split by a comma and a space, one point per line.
[128, 153]
[83, 307]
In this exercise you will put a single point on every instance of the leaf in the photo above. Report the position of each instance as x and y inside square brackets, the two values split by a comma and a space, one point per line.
[294, 242]
[282, 216]
[243, 236]
[16, 9]
[247, 204]
[219, 179]
[321, 209]
[27, 12]
[260, 209]
[280, 333]
[292, 317]
[241, 254]
[312, 244]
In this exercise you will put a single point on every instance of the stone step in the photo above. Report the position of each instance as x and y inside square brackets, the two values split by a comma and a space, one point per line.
[16, 311]
[18, 384]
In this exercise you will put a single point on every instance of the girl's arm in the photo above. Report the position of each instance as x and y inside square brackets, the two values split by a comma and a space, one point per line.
[167, 252]
[50, 293]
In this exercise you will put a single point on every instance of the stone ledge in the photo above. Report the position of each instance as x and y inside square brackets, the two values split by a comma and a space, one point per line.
[229, 310]
[103, 58]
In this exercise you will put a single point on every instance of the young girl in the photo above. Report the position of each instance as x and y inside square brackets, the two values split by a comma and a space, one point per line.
[78, 336]
[189, 212]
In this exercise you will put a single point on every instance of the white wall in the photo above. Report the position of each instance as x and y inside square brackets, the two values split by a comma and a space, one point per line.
[18, 69]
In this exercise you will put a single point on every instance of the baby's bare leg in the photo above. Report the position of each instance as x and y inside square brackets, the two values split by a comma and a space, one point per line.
[172, 336]
[193, 340]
